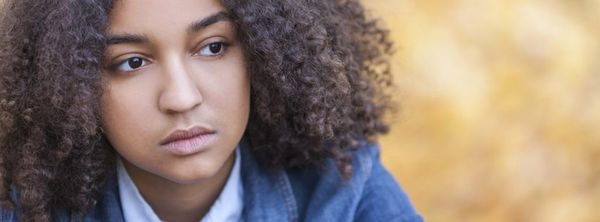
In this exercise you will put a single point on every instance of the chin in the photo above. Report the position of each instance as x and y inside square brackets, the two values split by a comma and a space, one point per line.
[188, 178]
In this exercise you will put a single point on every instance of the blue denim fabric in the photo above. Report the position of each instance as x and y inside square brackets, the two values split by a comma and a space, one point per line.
[302, 194]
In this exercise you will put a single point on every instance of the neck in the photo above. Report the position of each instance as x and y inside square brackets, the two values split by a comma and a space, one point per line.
[179, 202]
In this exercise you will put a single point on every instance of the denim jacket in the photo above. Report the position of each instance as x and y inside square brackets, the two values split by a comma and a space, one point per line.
[302, 194]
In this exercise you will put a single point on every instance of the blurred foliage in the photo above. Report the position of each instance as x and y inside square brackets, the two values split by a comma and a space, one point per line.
[500, 108]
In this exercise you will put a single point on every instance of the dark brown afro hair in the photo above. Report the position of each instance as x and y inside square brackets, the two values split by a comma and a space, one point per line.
[319, 76]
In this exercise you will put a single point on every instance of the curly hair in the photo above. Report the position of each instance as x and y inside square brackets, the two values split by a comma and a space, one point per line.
[319, 89]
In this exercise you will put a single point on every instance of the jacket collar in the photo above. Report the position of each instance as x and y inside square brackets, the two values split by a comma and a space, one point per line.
[268, 195]
[109, 206]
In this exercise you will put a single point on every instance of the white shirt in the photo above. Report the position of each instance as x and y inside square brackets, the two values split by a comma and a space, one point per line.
[227, 207]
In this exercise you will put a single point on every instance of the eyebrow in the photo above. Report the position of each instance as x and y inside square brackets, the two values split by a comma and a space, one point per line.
[197, 26]
[126, 38]
[209, 20]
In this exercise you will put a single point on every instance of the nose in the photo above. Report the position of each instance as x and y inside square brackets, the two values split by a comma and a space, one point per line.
[180, 93]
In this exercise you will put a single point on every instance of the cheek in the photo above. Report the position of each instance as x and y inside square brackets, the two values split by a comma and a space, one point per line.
[237, 96]
[226, 89]
[123, 118]
[238, 104]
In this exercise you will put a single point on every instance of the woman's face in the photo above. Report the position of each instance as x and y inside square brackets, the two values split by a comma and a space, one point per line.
[177, 95]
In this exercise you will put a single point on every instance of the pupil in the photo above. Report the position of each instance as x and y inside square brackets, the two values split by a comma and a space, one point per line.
[135, 63]
[214, 47]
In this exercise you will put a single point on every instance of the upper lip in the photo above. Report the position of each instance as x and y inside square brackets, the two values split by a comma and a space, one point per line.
[186, 134]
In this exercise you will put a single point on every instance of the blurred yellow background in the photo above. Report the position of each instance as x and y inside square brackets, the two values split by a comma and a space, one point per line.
[500, 108]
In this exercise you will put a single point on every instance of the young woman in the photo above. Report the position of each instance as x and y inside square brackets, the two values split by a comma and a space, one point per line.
[194, 110]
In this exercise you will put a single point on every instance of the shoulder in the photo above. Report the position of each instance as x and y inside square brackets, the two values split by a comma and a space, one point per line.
[370, 194]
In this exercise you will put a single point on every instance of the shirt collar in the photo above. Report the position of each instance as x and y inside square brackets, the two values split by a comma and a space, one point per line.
[227, 207]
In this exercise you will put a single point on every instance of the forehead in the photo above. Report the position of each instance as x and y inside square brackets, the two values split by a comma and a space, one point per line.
[142, 15]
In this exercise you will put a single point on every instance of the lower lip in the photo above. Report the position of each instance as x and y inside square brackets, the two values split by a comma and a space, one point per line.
[190, 146]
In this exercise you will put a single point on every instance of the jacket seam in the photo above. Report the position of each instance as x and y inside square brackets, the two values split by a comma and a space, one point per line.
[283, 185]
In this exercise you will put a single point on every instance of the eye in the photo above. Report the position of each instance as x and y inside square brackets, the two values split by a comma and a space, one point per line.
[213, 49]
[131, 64]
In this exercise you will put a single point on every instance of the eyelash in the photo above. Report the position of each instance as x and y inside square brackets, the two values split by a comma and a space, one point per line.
[223, 46]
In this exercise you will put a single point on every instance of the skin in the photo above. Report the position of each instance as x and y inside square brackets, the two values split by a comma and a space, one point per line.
[180, 84]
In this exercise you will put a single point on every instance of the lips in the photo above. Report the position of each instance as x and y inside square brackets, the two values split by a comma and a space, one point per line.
[185, 142]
